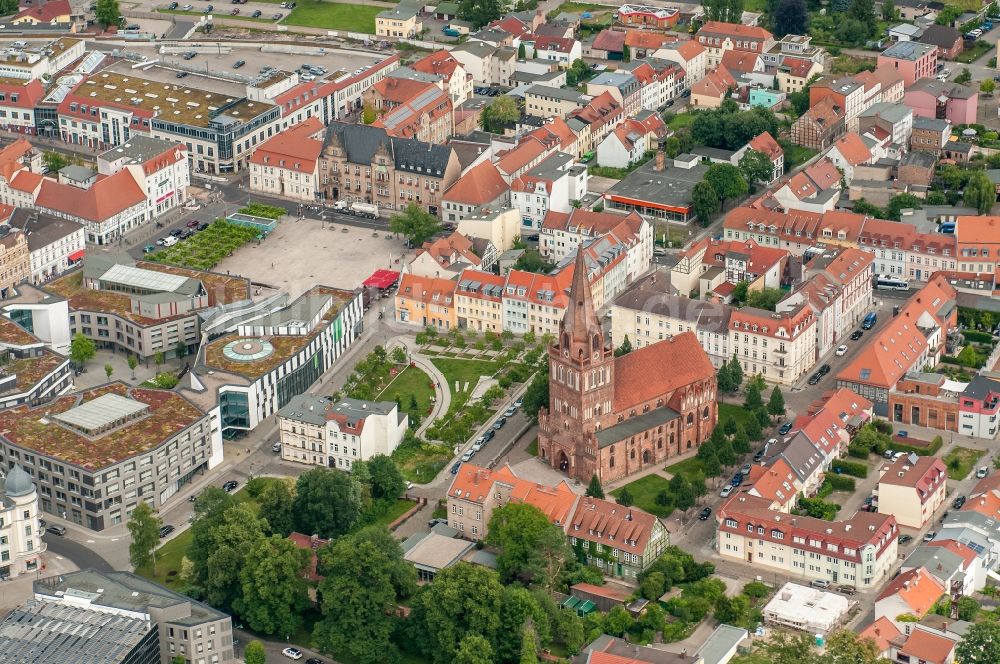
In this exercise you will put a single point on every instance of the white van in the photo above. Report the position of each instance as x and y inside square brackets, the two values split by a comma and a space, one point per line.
[169, 241]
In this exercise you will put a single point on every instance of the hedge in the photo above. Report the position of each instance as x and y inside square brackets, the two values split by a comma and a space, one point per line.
[931, 449]
[858, 451]
[825, 489]
[839, 483]
[979, 337]
[852, 468]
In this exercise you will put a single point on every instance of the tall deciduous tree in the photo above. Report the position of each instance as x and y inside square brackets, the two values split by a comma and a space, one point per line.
[230, 542]
[753, 399]
[704, 202]
[133, 362]
[144, 527]
[736, 370]
[385, 480]
[517, 607]
[791, 17]
[107, 12]
[415, 223]
[272, 590]
[81, 349]
[254, 653]
[474, 649]
[863, 11]
[888, 10]
[463, 600]
[980, 645]
[844, 647]
[530, 546]
[980, 193]
[276, 502]
[327, 502]
[480, 12]
[776, 404]
[727, 181]
[365, 576]
[537, 395]
[756, 167]
[501, 112]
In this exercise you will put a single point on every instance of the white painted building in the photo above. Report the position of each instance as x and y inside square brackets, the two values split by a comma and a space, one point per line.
[551, 185]
[54, 244]
[21, 542]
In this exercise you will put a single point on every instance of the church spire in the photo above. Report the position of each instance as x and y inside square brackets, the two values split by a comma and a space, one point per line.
[580, 331]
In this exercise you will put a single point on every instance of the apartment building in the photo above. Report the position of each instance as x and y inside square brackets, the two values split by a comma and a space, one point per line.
[426, 302]
[365, 164]
[401, 22]
[480, 191]
[479, 301]
[21, 544]
[851, 270]
[94, 454]
[544, 101]
[287, 165]
[717, 38]
[334, 434]
[911, 489]
[978, 243]
[821, 125]
[426, 116]
[778, 346]
[15, 259]
[912, 60]
[551, 186]
[859, 551]
[631, 140]
[454, 78]
[562, 232]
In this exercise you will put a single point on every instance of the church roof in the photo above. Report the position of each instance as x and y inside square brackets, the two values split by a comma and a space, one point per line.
[654, 370]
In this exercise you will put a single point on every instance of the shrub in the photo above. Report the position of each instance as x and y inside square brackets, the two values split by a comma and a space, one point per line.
[859, 451]
[839, 483]
[932, 448]
[265, 211]
[882, 426]
[853, 468]
[979, 337]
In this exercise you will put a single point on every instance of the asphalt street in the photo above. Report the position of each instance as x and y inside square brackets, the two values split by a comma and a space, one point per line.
[80, 554]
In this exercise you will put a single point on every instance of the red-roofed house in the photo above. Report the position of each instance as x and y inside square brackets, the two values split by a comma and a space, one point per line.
[631, 139]
[609, 44]
[563, 50]
[912, 593]
[690, 55]
[17, 103]
[562, 232]
[741, 62]
[287, 165]
[457, 81]
[718, 37]
[428, 116]
[712, 90]
[794, 73]
[789, 336]
[776, 483]
[766, 145]
[822, 124]
[600, 116]
[479, 189]
[642, 43]
[445, 257]
[551, 185]
[310, 543]
[426, 302]
[661, 18]
[923, 646]
[847, 152]
[731, 262]
[50, 12]
[609, 416]
[912, 489]
[883, 631]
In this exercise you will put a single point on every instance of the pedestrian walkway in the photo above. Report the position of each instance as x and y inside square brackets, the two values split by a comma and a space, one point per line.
[442, 391]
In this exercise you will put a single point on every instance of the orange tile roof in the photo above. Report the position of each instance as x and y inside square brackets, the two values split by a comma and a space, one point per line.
[448, 250]
[715, 84]
[826, 112]
[777, 482]
[517, 158]
[927, 476]
[798, 67]
[25, 180]
[843, 225]
[848, 264]
[927, 647]
[292, 149]
[977, 230]
[427, 289]
[827, 428]
[475, 484]
[690, 49]
[480, 185]
[554, 129]
[512, 25]
[682, 353]
[741, 62]
[47, 12]
[786, 325]
[882, 631]
[625, 528]
[439, 62]
[917, 588]
[587, 222]
[852, 148]
[105, 198]
[552, 43]
[400, 90]
[766, 144]
[484, 279]
[734, 30]
[824, 174]
[644, 39]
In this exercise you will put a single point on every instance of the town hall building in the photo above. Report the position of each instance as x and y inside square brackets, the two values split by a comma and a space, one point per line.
[615, 416]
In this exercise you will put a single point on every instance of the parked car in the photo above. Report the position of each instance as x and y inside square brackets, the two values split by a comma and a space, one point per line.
[982, 472]
[857, 334]
[230, 486]
[820, 583]
[187, 8]
[314, 660]
[257, 13]
[785, 428]
[56, 530]
[203, 225]
[745, 469]
[172, 5]
[726, 490]
[192, 223]
[276, 447]
[841, 350]
[815, 378]
[704, 514]
[469, 454]
[476, 446]
[930, 535]
[958, 502]
[758, 456]
[737, 479]
[277, 16]
[292, 653]
[166, 530]
[903, 539]
[434, 522]
[190, 54]
[193, 498]
[847, 589]
[235, 11]
[888, 454]
[182, 74]
[185, 234]
[488, 435]
[499, 423]
[510, 411]
[519, 402]
[824, 370]
[148, 249]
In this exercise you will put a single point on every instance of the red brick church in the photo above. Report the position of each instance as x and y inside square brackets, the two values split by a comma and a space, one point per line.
[615, 416]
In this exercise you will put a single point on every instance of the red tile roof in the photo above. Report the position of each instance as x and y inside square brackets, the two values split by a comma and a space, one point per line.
[797, 67]
[427, 289]
[741, 62]
[452, 249]
[882, 631]
[612, 525]
[47, 12]
[734, 30]
[916, 587]
[557, 44]
[398, 91]
[927, 647]
[926, 476]
[644, 39]
[776, 483]
[716, 83]
[766, 144]
[105, 198]
[480, 185]
[609, 40]
[440, 62]
[293, 149]
[476, 484]
[28, 93]
[853, 149]
[682, 353]
[690, 49]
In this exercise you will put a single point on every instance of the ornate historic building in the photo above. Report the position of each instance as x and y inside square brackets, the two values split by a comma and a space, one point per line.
[615, 416]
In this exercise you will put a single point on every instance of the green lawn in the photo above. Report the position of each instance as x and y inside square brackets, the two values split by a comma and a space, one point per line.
[168, 562]
[727, 410]
[644, 492]
[396, 510]
[421, 462]
[411, 382]
[580, 7]
[681, 120]
[795, 154]
[688, 467]
[464, 371]
[335, 16]
[532, 448]
[205, 248]
[974, 51]
[960, 462]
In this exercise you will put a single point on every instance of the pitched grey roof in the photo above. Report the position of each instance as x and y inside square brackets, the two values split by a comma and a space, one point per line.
[943, 36]
[799, 453]
[361, 142]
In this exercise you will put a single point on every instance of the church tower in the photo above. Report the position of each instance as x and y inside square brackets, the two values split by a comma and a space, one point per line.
[581, 383]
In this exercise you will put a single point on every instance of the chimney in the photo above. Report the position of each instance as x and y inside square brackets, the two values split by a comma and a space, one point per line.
[660, 160]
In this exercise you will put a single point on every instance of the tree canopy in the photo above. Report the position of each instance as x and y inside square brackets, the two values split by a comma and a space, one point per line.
[756, 167]
[729, 128]
[531, 548]
[327, 503]
[980, 193]
[144, 527]
[273, 592]
[82, 349]
[415, 223]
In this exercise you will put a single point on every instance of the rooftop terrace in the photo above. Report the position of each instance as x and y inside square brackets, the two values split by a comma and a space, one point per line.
[36, 428]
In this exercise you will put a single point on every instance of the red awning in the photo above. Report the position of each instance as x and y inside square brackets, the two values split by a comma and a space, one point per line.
[76, 255]
[382, 279]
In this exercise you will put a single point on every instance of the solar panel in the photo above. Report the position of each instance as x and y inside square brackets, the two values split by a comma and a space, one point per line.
[128, 275]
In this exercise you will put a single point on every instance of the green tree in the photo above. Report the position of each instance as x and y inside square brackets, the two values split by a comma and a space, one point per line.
[107, 13]
[900, 202]
[229, 543]
[108, 370]
[845, 647]
[727, 181]
[537, 395]
[733, 610]
[518, 607]
[273, 592]
[711, 465]
[531, 261]
[276, 503]
[753, 399]
[178, 659]
[726, 454]
[158, 359]
[964, 77]
[529, 645]
[968, 609]
[791, 17]
[501, 112]
[776, 404]
[987, 86]
[852, 31]
[530, 546]
[463, 600]
[53, 160]
[888, 10]
[682, 492]
[368, 114]
[254, 653]
[521, 54]
[618, 621]
[980, 193]
[578, 72]
[626, 53]
[594, 489]
[736, 369]
[863, 11]
[133, 362]
[625, 348]
[81, 349]
[704, 202]
[474, 649]
[980, 645]
[327, 503]
[180, 350]
[624, 497]
[144, 527]
[724, 379]
[365, 577]
[756, 167]
[415, 224]
[386, 483]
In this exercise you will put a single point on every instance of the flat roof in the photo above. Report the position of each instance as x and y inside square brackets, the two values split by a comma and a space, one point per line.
[168, 102]
[101, 412]
[671, 187]
[137, 277]
[432, 552]
[138, 149]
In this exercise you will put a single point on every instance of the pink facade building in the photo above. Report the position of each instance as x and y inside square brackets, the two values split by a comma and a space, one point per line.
[942, 100]
[912, 60]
